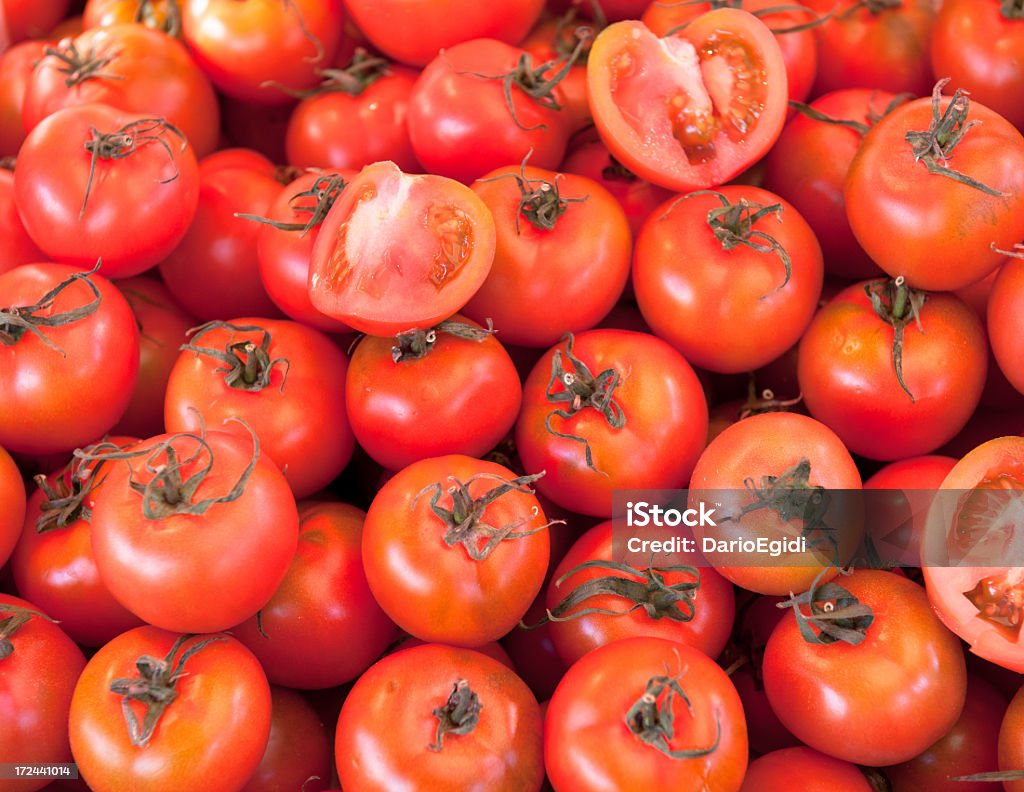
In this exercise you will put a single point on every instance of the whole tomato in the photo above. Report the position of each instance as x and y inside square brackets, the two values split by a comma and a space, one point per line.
[12, 505]
[298, 754]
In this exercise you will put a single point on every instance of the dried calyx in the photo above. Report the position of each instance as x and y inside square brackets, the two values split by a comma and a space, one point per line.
[897, 305]
[832, 614]
[417, 344]
[652, 718]
[321, 197]
[16, 321]
[247, 365]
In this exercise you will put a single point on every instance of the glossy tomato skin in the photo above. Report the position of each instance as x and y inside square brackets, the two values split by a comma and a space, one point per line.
[589, 747]
[685, 143]
[211, 736]
[12, 505]
[414, 32]
[37, 679]
[935, 231]
[379, 268]
[849, 382]
[908, 668]
[808, 167]
[467, 138]
[244, 46]
[805, 769]
[144, 71]
[386, 726]
[322, 627]
[727, 310]
[664, 431]
[51, 183]
[170, 571]
[464, 601]
[55, 402]
[461, 397]
[298, 750]
[298, 413]
[1004, 322]
[581, 264]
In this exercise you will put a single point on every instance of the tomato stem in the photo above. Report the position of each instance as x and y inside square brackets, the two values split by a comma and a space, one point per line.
[541, 205]
[18, 320]
[147, 15]
[616, 171]
[364, 70]
[20, 616]
[459, 715]
[248, 367]
[765, 401]
[324, 192]
[835, 614]
[417, 344]
[652, 718]
[65, 501]
[1012, 9]
[896, 304]
[77, 67]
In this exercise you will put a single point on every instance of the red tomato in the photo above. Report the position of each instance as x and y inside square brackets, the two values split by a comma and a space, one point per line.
[322, 627]
[133, 68]
[533, 652]
[16, 67]
[1005, 305]
[731, 278]
[562, 240]
[200, 707]
[691, 110]
[252, 50]
[909, 671]
[907, 202]
[181, 515]
[619, 712]
[16, 247]
[286, 380]
[455, 549]
[12, 505]
[399, 252]
[1011, 741]
[298, 754]
[470, 404]
[414, 31]
[436, 717]
[38, 670]
[69, 359]
[610, 410]
[894, 372]
[84, 172]
[554, 40]
[804, 769]
[30, 18]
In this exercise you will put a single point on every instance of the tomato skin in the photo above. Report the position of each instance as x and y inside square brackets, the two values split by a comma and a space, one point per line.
[587, 746]
[16, 65]
[581, 264]
[50, 185]
[402, 534]
[909, 669]
[30, 18]
[145, 71]
[471, 403]
[323, 628]
[849, 382]
[464, 140]
[1011, 741]
[300, 414]
[927, 227]
[36, 683]
[170, 571]
[100, 13]
[805, 769]
[211, 736]
[726, 310]
[12, 505]
[298, 749]
[414, 32]
[664, 432]
[386, 725]
[379, 268]
[54, 402]
[1004, 322]
[650, 147]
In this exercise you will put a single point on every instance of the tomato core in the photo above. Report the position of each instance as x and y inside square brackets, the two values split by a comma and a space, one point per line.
[1000, 601]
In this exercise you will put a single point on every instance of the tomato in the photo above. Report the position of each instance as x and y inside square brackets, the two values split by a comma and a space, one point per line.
[610, 410]
[16, 67]
[133, 68]
[182, 514]
[322, 627]
[399, 252]
[12, 505]
[200, 713]
[286, 380]
[356, 117]
[893, 371]
[436, 717]
[877, 44]
[38, 671]
[805, 769]
[619, 712]
[977, 520]
[1011, 741]
[69, 357]
[554, 40]
[219, 248]
[414, 31]
[1004, 324]
[809, 164]
[494, 650]
[561, 239]
[698, 611]
[252, 50]
[780, 459]
[508, 108]
[470, 404]
[533, 652]
[678, 110]
[908, 203]
[977, 44]
[730, 278]
[298, 754]
[83, 175]
[16, 247]
[455, 549]
[909, 670]
[163, 15]
[30, 18]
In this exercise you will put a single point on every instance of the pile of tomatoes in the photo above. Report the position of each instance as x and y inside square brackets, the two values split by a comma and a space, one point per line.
[332, 332]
